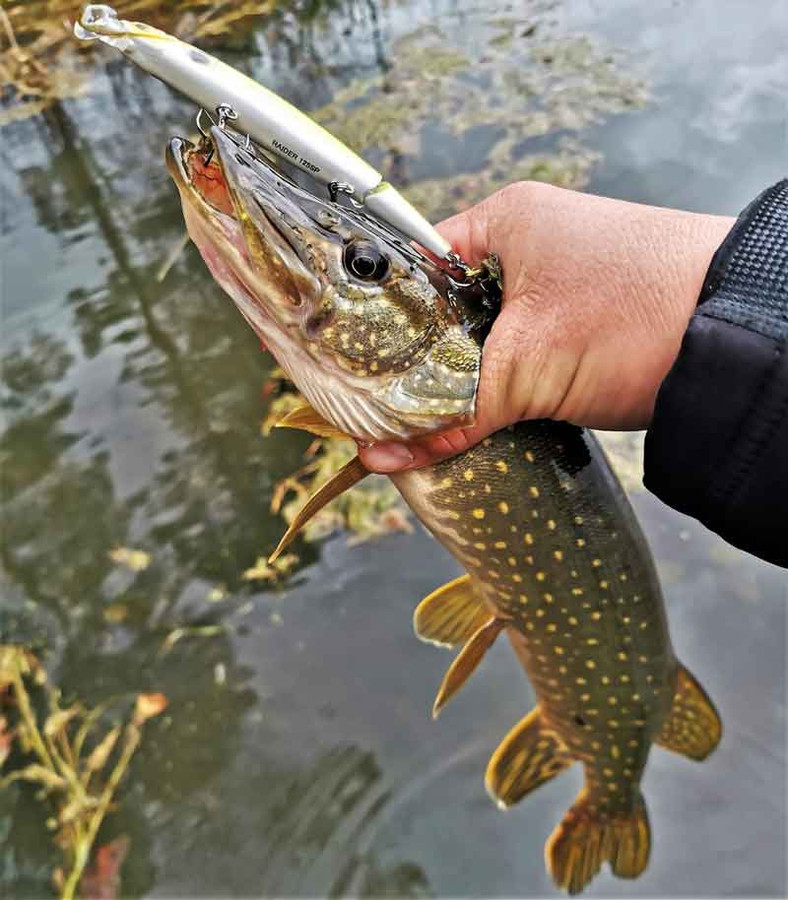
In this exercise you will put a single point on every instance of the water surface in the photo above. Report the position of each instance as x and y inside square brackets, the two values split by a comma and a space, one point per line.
[298, 757]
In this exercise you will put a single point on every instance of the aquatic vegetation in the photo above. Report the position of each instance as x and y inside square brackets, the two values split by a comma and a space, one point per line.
[76, 765]
[516, 102]
[40, 62]
[371, 510]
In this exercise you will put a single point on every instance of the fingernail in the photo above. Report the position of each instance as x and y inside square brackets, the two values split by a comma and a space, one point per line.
[387, 457]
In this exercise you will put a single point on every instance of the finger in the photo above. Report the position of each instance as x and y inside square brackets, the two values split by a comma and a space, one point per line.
[468, 232]
[387, 457]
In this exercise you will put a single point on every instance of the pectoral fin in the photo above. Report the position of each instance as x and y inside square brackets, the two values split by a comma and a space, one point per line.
[527, 757]
[351, 473]
[305, 418]
[692, 727]
[450, 615]
[466, 661]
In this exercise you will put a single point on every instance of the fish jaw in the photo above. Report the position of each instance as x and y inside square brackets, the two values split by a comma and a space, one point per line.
[381, 357]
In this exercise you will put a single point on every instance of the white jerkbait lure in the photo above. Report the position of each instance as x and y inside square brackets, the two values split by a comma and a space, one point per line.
[267, 118]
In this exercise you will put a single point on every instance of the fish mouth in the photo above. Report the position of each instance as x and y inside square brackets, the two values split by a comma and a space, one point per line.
[220, 176]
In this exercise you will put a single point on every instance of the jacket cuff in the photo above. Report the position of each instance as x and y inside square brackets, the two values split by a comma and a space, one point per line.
[717, 448]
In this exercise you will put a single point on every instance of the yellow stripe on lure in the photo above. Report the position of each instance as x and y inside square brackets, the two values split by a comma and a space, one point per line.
[266, 117]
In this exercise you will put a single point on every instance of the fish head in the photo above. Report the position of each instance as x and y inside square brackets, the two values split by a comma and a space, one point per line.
[370, 333]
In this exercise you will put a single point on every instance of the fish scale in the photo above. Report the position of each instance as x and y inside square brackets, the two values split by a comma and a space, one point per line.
[551, 543]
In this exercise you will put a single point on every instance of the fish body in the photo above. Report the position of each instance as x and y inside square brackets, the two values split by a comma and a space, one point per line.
[553, 553]
[265, 116]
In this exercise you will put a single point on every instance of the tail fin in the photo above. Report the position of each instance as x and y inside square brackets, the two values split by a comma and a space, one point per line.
[587, 837]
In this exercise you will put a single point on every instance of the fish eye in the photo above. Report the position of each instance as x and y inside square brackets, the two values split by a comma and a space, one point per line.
[364, 261]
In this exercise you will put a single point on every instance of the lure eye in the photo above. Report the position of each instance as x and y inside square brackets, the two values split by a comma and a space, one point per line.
[364, 261]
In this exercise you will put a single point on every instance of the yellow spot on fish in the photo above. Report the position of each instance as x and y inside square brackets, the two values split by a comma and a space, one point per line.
[612, 700]
[512, 560]
[530, 626]
[558, 554]
[596, 616]
[478, 513]
[529, 456]
[604, 585]
[622, 576]
[500, 545]
[605, 679]
[622, 656]
[523, 599]
[614, 751]
[533, 491]
[643, 659]
[577, 591]
[596, 563]
[551, 628]
[540, 576]
[572, 620]
[624, 679]
[517, 578]
[578, 520]
[592, 642]
[612, 786]
[558, 650]
[548, 598]
[446, 483]
[581, 681]
[504, 507]
[580, 542]
[528, 538]
[502, 467]
[540, 613]
[590, 664]
[373, 367]
[480, 545]
[468, 474]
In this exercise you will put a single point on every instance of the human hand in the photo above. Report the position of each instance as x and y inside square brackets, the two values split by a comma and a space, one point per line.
[597, 296]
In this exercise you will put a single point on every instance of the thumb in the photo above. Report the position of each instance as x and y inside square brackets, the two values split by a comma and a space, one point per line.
[469, 231]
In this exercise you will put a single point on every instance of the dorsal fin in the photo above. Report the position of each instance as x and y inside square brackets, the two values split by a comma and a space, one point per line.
[451, 614]
[351, 473]
[466, 661]
[305, 418]
[527, 757]
[692, 727]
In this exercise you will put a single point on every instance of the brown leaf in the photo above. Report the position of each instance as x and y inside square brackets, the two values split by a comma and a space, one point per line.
[101, 880]
[148, 706]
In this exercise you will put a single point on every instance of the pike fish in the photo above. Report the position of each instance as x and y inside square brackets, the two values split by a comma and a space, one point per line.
[382, 347]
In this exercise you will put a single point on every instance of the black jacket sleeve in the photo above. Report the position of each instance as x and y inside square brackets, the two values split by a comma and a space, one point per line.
[717, 448]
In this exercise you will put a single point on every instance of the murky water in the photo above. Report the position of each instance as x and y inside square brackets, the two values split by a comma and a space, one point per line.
[297, 757]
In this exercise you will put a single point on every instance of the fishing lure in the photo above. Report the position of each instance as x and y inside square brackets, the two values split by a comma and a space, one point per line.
[265, 117]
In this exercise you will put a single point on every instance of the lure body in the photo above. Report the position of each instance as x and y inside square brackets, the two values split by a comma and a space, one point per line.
[267, 118]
